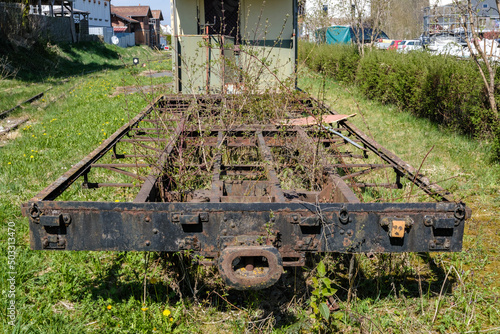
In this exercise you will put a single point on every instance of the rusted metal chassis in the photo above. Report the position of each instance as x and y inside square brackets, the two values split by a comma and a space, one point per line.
[281, 232]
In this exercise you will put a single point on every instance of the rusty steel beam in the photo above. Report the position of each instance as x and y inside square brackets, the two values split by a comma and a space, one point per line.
[61, 184]
[216, 194]
[150, 187]
[403, 167]
[274, 182]
[91, 185]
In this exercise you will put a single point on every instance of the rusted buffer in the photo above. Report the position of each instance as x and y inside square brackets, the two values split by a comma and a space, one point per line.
[244, 181]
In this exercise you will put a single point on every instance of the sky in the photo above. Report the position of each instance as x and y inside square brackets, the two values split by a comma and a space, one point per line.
[163, 5]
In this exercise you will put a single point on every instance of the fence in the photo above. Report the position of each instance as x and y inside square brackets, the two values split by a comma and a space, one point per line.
[125, 39]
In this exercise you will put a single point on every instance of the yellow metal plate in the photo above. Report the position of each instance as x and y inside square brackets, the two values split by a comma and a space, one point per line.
[398, 229]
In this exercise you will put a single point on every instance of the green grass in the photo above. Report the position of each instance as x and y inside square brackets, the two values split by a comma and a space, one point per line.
[97, 292]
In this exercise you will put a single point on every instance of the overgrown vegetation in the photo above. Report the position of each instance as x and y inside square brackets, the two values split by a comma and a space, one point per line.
[446, 90]
[134, 292]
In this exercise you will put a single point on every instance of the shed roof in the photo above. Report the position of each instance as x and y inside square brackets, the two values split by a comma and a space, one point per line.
[120, 29]
[131, 11]
[124, 18]
[157, 14]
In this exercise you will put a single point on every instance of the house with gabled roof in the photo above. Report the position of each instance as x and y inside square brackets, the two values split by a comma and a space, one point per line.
[134, 19]
[156, 29]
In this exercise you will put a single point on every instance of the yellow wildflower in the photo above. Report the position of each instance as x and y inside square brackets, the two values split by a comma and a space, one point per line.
[171, 319]
[9, 163]
[31, 156]
[117, 200]
[166, 313]
[144, 309]
[108, 307]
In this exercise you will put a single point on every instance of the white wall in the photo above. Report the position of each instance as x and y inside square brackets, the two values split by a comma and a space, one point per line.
[99, 11]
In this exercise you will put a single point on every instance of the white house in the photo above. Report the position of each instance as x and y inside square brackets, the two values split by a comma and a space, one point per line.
[99, 11]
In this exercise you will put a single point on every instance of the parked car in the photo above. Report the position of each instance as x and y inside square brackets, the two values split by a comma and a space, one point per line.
[448, 47]
[410, 45]
[394, 44]
[383, 44]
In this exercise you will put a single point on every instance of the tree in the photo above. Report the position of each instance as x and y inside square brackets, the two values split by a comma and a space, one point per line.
[365, 17]
[470, 24]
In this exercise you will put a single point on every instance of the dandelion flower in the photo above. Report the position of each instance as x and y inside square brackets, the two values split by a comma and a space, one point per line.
[166, 313]
[31, 156]
[108, 307]
[44, 134]
[144, 309]
[9, 163]
[171, 319]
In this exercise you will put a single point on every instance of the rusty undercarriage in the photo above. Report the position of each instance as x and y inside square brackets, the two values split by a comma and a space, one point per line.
[230, 179]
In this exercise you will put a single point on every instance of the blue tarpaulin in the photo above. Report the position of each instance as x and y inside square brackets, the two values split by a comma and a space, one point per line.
[346, 34]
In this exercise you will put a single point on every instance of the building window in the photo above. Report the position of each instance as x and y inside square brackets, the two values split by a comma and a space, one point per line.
[98, 2]
[105, 4]
[485, 6]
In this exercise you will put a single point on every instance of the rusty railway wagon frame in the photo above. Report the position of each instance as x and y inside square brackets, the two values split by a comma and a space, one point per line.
[242, 219]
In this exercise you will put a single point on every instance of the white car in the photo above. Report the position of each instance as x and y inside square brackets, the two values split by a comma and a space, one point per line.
[410, 45]
[383, 44]
[448, 47]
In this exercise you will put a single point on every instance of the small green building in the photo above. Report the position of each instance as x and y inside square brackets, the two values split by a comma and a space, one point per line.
[233, 46]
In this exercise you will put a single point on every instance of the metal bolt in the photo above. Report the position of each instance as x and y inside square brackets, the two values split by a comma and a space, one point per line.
[155, 231]
[273, 219]
[175, 217]
[147, 219]
[225, 219]
[295, 217]
[350, 232]
[233, 225]
[66, 219]
[148, 243]
[428, 221]
[342, 231]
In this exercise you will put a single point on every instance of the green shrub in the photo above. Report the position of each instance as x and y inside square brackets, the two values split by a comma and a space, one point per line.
[339, 62]
[447, 90]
